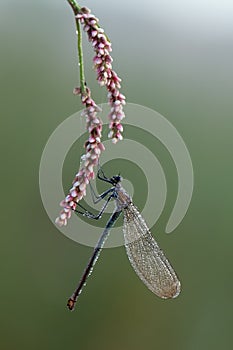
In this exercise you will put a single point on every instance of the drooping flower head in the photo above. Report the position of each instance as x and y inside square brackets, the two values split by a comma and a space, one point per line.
[105, 74]
[93, 149]
[93, 146]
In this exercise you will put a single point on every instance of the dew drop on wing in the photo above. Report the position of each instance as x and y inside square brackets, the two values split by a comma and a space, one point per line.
[145, 256]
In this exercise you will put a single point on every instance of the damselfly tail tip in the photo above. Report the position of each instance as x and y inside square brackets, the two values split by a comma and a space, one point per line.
[71, 304]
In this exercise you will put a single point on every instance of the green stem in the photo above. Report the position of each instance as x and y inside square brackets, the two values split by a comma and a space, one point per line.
[80, 58]
[76, 8]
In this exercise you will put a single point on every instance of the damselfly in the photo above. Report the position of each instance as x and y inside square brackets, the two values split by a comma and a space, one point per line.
[145, 256]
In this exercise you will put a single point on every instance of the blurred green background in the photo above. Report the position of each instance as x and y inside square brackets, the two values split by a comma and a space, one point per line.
[174, 57]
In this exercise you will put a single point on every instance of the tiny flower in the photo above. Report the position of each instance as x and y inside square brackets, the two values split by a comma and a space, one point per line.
[74, 193]
[119, 127]
[77, 91]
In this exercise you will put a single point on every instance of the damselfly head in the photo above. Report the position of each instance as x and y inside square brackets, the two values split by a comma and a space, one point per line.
[116, 179]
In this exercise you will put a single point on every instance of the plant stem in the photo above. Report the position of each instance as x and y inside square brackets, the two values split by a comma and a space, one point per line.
[80, 58]
[76, 8]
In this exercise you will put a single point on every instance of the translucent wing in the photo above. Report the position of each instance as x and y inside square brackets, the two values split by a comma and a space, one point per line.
[146, 257]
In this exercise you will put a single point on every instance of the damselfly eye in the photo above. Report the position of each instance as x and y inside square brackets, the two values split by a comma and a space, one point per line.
[116, 179]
